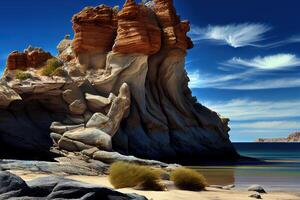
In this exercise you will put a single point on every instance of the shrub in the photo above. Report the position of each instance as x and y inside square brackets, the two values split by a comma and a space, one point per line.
[21, 75]
[123, 175]
[51, 65]
[59, 72]
[188, 179]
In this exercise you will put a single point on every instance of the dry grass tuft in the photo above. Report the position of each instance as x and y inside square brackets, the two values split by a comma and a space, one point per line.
[125, 175]
[22, 75]
[188, 179]
[51, 65]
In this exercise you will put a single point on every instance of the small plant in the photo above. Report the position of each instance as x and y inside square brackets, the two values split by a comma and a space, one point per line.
[124, 175]
[21, 75]
[59, 72]
[188, 179]
[51, 65]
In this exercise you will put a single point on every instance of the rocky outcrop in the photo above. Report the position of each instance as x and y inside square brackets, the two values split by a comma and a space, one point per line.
[125, 93]
[138, 30]
[294, 137]
[7, 95]
[52, 187]
[30, 58]
[95, 31]
[64, 49]
[174, 31]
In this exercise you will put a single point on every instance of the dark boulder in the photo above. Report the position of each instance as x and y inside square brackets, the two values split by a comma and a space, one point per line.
[52, 187]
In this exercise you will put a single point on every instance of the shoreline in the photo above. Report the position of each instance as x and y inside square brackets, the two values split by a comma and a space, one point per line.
[173, 193]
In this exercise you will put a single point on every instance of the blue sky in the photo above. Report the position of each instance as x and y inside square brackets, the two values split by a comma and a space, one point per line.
[245, 63]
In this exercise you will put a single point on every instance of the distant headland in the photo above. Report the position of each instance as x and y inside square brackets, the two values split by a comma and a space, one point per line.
[294, 137]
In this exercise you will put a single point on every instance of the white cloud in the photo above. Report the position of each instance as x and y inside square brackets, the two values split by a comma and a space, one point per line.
[277, 61]
[291, 40]
[240, 81]
[262, 84]
[243, 109]
[251, 74]
[235, 35]
[266, 125]
[259, 119]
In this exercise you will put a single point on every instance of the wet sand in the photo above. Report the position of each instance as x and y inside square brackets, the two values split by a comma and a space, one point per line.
[173, 193]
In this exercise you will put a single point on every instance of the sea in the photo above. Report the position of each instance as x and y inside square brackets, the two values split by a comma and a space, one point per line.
[278, 171]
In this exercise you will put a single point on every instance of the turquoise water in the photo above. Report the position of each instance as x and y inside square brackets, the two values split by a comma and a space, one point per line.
[279, 172]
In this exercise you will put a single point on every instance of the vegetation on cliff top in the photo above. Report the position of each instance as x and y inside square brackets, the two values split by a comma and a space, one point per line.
[51, 66]
[22, 75]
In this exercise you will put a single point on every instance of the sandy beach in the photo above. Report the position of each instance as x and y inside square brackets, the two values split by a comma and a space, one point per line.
[173, 193]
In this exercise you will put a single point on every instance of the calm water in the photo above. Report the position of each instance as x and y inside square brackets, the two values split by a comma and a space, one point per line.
[281, 172]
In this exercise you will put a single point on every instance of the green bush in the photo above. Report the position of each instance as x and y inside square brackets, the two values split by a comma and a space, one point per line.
[59, 72]
[21, 75]
[188, 179]
[51, 65]
[124, 175]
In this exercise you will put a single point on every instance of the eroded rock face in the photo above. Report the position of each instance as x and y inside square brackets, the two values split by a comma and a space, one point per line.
[174, 31]
[31, 58]
[126, 90]
[138, 30]
[95, 31]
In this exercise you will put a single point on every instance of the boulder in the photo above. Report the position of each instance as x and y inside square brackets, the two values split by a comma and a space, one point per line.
[111, 157]
[51, 187]
[10, 182]
[99, 120]
[64, 44]
[77, 107]
[255, 196]
[7, 95]
[90, 136]
[256, 188]
[96, 102]
[60, 128]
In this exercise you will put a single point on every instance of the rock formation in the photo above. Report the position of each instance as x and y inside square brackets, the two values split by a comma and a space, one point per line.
[138, 30]
[53, 187]
[95, 30]
[294, 137]
[125, 90]
[30, 58]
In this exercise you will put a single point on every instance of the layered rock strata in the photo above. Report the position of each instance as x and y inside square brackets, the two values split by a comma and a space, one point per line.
[30, 58]
[138, 30]
[174, 31]
[95, 31]
[130, 94]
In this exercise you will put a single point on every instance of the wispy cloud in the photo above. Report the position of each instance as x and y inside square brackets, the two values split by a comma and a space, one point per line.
[290, 40]
[235, 35]
[261, 72]
[251, 119]
[277, 61]
[267, 125]
[240, 81]
[245, 109]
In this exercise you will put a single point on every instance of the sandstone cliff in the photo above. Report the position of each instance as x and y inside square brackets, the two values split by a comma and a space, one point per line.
[294, 137]
[122, 86]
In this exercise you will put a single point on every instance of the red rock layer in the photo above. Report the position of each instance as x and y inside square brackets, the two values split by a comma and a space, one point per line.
[95, 30]
[33, 59]
[174, 31]
[138, 31]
